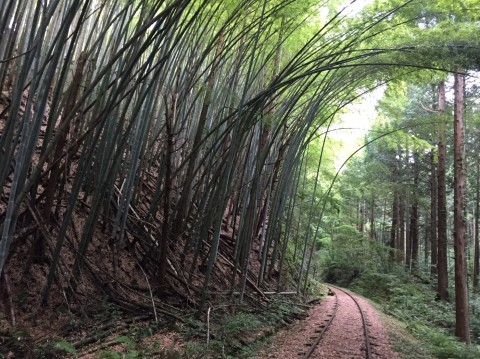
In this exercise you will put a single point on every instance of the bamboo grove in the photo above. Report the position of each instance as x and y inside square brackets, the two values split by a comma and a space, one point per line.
[167, 137]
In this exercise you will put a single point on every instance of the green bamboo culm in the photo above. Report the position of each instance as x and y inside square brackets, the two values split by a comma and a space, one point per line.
[161, 123]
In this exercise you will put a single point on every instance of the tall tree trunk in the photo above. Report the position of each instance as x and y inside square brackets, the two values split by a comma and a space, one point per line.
[384, 222]
[361, 215]
[433, 215]
[442, 267]
[409, 234]
[394, 228]
[462, 329]
[476, 255]
[400, 232]
[372, 217]
[414, 216]
[427, 241]
[413, 236]
[358, 215]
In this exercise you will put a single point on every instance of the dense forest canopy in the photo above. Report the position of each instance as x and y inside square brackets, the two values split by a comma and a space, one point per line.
[163, 151]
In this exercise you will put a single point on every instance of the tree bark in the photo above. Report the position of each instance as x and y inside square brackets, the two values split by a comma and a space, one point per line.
[361, 215]
[372, 217]
[414, 217]
[408, 233]
[427, 241]
[462, 329]
[442, 268]
[384, 222]
[402, 232]
[394, 228]
[476, 255]
[414, 235]
[433, 216]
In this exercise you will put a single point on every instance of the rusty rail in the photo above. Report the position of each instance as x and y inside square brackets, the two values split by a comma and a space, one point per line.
[323, 330]
[364, 321]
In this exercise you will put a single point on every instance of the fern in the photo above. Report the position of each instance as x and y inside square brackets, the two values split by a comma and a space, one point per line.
[65, 347]
[125, 340]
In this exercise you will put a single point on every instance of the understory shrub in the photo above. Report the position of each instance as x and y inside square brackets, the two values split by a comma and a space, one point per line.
[345, 260]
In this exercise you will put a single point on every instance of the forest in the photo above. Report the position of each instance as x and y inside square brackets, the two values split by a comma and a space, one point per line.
[195, 171]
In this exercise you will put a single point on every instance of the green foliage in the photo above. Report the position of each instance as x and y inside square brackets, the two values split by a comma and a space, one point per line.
[346, 258]
[130, 354]
[194, 349]
[229, 333]
[432, 33]
[346, 232]
[241, 324]
[55, 348]
[239, 334]
[65, 346]
[125, 340]
[281, 310]
[133, 350]
[324, 241]
[444, 346]
[414, 303]
[336, 268]
[475, 317]
[380, 285]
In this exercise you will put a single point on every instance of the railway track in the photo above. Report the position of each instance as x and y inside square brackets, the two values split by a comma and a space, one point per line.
[323, 332]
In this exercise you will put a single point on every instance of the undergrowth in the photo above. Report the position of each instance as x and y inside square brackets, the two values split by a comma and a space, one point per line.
[414, 303]
[238, 334]
[229, 332]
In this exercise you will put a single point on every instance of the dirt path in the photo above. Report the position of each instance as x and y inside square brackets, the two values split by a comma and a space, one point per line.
[343, 338]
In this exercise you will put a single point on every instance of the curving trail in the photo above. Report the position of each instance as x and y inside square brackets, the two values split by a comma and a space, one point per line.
[343, 325]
